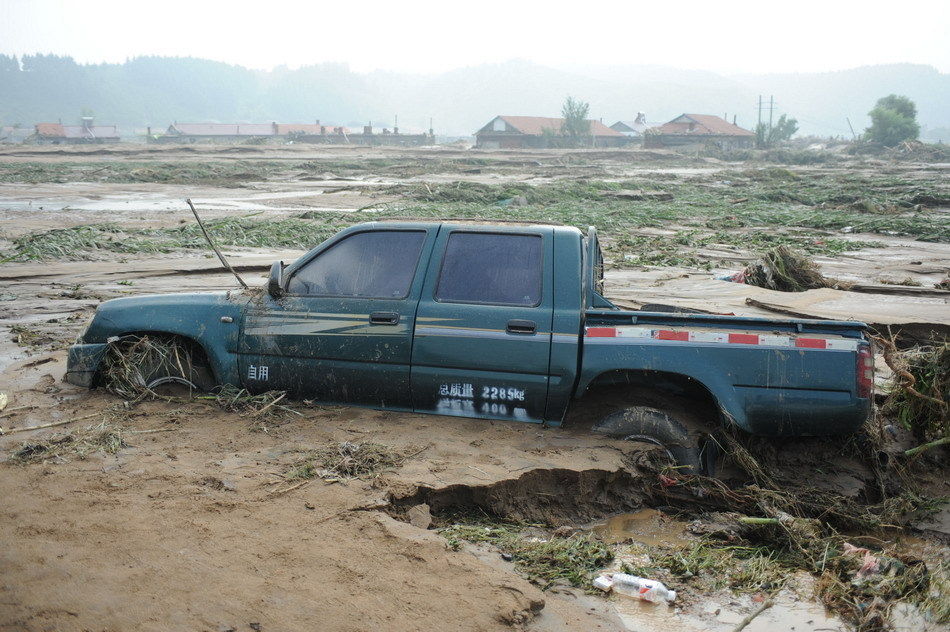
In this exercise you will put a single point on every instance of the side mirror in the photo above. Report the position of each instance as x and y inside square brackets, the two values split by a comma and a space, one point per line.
[275, 284]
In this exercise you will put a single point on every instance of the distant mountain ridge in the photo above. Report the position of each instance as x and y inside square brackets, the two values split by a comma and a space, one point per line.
[156, 91]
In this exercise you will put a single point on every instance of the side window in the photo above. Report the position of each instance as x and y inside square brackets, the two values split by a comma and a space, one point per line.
[379, 264]
[502, 269]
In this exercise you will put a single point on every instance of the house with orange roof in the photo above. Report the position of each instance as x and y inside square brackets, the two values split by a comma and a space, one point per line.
[519, 132]
[59, 134]
[695, 131]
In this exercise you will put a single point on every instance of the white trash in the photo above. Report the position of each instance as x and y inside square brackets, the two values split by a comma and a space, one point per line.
[636, 587]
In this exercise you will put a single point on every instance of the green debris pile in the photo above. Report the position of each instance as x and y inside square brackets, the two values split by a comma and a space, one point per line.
[544, 560]
[83, 242]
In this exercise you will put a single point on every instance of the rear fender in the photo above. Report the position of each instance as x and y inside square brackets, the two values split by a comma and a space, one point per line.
[722, 394]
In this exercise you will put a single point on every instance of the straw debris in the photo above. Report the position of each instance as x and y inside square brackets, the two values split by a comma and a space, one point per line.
[785, 270]
[102, 437]
[242, 401]
[132, 366]
[346, 460]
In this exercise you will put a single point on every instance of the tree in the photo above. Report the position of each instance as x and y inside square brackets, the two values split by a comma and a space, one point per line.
[893, 120]
[783, 130]
[9, 63]
[576, 126]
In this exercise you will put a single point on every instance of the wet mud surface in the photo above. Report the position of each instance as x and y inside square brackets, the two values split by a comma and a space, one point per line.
[192, 524]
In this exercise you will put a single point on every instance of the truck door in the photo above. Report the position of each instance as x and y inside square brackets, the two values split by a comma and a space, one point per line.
[343, 331]
[483, 328]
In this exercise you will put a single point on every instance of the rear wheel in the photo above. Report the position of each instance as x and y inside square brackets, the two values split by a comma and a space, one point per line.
[651, 425]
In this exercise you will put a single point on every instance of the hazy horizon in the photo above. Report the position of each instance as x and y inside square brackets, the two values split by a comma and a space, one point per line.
[295, 62]
[423, 37]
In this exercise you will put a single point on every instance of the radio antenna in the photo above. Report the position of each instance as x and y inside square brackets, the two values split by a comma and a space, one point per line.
[215, 248]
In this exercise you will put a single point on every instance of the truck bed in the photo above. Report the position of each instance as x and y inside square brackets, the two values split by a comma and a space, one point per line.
[770, 377]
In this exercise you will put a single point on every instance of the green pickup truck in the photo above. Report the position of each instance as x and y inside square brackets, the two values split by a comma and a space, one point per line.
[498, 320]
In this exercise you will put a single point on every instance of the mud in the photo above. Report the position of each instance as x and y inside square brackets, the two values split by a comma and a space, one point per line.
[189, 527]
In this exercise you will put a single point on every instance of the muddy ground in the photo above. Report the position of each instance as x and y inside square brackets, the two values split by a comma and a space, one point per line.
[189, 519]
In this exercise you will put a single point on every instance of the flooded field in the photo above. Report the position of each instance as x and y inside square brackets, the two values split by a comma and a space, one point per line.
[198, 515]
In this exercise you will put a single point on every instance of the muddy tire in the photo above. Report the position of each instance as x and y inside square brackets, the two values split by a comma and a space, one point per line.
[651, 425]
[180, 378]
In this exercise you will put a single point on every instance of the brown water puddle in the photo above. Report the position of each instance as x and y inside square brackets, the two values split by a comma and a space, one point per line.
[724, 612]
[647, 526]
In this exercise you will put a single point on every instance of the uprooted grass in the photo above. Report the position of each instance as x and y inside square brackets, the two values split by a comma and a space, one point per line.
[218, 173]
[61, 446]
[681, 248]
[707, 564]
[785, 270]
[853, 202]
[920, 393]
[544, 560]
[84, 242]
[347, 460]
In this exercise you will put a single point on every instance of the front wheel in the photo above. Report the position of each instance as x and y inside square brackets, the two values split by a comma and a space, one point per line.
[156, 364]
[651, 425]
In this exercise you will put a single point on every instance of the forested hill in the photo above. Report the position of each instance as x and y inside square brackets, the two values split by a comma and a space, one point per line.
[156, 91]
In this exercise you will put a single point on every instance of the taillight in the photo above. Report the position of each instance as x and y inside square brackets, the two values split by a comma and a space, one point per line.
[865, 371]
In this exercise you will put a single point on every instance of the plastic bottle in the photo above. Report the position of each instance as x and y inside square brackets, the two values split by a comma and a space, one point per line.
[642, 588]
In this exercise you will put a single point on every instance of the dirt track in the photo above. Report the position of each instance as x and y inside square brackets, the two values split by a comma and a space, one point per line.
[189, 526]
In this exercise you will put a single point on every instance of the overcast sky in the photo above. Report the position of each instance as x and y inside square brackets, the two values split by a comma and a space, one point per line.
[423, 36]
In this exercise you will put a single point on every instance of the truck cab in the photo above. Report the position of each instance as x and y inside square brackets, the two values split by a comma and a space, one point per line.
[451, 319]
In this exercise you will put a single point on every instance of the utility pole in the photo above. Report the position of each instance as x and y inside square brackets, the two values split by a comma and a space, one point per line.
[771, 107]
[758, 125]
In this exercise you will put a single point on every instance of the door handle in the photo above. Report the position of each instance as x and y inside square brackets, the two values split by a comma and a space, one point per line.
[384, 318]
[522, 326]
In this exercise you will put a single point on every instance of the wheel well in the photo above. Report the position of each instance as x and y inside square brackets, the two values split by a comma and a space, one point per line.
[199, 354]
[687, 398]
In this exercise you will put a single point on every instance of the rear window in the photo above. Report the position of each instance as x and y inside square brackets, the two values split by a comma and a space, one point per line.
[378, 264]
[498, 269]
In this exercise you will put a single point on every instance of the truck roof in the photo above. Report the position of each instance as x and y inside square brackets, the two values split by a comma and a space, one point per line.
[502, 223]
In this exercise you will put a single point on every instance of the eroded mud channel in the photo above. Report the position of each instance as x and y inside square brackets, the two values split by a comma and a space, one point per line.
[560, 528]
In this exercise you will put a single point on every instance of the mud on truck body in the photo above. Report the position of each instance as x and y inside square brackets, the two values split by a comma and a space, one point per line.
[499, 321]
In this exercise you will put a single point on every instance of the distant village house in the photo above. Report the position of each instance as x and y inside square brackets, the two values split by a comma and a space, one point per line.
[296, 132]
[634, 129]
[520, 132]
[236, 132]
[59, 134]
[695, 131]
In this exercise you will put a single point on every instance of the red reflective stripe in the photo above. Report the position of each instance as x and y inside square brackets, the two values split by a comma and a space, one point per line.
[602, 332]
[810, 343]
[744, 339]
[666, 334]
